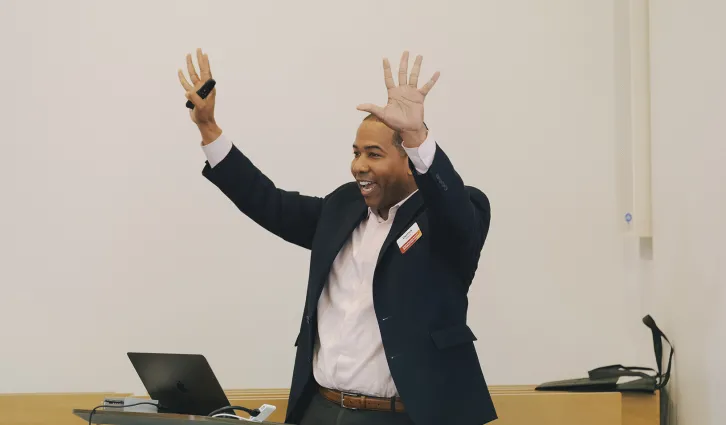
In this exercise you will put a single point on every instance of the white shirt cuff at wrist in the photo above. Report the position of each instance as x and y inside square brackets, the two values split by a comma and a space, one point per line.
[422, 156]
[217, 150]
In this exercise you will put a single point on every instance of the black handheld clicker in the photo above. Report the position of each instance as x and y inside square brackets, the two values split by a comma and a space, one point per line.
[203, 91]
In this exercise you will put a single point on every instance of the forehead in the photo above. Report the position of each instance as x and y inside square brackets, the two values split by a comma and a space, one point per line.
[374, 132]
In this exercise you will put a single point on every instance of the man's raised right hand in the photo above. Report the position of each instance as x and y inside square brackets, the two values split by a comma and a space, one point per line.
[203, 112]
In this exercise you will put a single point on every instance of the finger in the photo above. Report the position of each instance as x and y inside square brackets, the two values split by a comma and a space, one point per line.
[192, 72]
[403, 70]
[206, 64]
[184, 82]
[413, 81]
[387, 75]
[203, 69]
[196, 99]
[428, 86]
[371, 108]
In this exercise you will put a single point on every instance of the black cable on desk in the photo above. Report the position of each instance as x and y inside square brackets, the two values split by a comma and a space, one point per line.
[120, 406]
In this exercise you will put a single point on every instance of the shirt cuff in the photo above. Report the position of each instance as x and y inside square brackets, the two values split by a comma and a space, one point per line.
[422, 156]
[217, 150]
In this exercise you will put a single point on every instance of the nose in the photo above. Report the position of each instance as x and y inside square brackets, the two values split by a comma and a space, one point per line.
[359, 166]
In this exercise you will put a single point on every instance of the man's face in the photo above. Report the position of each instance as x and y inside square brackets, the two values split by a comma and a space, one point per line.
[380, 168]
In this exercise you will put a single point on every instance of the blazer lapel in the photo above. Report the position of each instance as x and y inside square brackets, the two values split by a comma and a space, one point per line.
[404, 216]
[351, 216]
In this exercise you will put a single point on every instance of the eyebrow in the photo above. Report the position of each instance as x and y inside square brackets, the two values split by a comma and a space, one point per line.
[369, 147]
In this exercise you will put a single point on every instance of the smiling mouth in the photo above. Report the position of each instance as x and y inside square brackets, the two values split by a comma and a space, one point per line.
[366, 187]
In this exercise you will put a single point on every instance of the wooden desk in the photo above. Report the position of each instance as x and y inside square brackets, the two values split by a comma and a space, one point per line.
[522, 405]
[115, 417]
[516, 405]
[45, 409]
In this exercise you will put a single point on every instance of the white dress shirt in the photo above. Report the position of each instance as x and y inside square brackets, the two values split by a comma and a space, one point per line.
[349, 352]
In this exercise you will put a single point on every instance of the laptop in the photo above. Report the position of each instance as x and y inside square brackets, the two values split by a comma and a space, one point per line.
[181, 383]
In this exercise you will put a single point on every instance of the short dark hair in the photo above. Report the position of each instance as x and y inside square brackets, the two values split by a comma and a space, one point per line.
[397, 139]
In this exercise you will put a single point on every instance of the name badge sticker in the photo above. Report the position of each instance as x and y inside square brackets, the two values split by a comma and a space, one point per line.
[409, 238]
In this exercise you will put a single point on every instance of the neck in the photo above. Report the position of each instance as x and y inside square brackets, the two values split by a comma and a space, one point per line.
[383, 211]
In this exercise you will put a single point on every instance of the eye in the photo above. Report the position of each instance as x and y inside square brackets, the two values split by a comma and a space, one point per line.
[356, 154]
[374, 155]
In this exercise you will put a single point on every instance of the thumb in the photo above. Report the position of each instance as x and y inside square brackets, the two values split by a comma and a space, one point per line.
[373, 109]
[195, 98]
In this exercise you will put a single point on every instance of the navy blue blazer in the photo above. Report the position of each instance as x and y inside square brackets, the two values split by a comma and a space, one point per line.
[420, 296]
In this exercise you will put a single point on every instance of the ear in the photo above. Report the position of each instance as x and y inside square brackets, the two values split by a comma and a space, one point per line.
[407, 164]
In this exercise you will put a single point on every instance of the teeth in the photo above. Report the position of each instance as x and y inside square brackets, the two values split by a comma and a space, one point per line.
[364, 184]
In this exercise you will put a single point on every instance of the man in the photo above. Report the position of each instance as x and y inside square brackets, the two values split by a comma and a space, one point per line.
[383, 338]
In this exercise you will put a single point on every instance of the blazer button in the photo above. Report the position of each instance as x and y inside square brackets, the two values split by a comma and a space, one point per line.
[441, 182]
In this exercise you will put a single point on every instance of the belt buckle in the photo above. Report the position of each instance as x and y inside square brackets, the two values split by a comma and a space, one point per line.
[342, 400]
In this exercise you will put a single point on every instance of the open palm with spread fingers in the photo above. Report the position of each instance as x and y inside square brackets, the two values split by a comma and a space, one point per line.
[404, 111]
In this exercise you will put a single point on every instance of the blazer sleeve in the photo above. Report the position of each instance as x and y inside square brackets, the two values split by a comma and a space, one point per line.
[460, 215]
[289, 215]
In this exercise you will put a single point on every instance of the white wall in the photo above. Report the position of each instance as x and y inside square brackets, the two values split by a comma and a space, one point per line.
[112, 240]
[689, 200]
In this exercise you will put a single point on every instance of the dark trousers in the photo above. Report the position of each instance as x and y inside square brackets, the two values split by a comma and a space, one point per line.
[324, 412]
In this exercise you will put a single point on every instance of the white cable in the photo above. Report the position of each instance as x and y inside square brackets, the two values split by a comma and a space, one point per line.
[265, 412]
[229, 415]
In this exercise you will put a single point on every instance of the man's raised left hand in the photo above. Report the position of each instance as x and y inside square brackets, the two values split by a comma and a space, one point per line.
[404, 111]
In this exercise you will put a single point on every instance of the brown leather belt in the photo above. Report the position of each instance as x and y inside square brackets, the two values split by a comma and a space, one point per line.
[362, 402]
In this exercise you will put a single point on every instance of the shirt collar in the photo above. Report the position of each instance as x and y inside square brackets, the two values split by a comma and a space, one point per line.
[392, 210]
